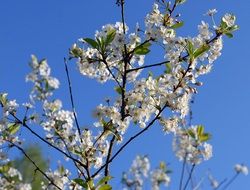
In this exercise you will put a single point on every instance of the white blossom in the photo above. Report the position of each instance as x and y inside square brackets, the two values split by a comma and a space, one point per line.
[241, 168]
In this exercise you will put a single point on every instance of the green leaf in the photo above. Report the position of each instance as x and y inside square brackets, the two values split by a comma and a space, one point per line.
[168, 68]
[177, 25]
[200, 130]
[5, 168]
[178, 2]
[91, 184]
[142, 49]
[190, 47]
[229, 35]
[81, 182]
[104, 180]
[13, 128]
[110, 37]
[233, 28]
[198, 52]
[223, 25]
[191, 133]
[77, 152]
[163, 165]
[91, 42]
[204, 137]
[105, 187]
[118, 89]
[3, 99]
[190, 50]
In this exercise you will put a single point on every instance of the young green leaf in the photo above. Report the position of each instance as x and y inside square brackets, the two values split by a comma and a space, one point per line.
[191, 133]
[3, 99]
[91, 42]
[200, 130]
[168, 68]
[198, 52]
[142, 49]
[118, 89]
[104, 180]
[177, 25]
[110, 37]
[204, 137]
[105, 187]
[229, 35]
[13, 128]
[81, 182]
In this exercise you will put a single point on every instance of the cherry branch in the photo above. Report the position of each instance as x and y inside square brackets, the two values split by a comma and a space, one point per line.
[36, 166]
[23, 123]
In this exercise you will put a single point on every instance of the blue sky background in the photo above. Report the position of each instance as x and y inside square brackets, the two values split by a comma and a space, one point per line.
[48, 28]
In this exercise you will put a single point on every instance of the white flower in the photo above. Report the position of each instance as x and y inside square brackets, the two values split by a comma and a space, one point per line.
[53, 82]
[211, 12]
[27, 105]
[240, 168]
[208, 151]
[229, 19]
[204, 31]
[11, 106]
[169, 125]
[158, 177]
[140, 165]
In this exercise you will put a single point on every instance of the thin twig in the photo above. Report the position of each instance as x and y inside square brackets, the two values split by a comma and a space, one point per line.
[231, 181]
[220, 184]
[106, 171]
[107, 66]
[189, 177]
[67, 148]
[182, 172]
[147, 66]
[72, 99]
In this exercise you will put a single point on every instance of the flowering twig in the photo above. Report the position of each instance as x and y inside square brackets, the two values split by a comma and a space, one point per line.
[36, 166]
[72, 99]
[23, 123]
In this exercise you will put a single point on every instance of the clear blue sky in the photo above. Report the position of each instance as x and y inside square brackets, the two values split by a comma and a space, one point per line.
[48, 28]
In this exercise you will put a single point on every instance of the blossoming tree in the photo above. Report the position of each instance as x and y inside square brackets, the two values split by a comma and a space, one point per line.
[142, 99]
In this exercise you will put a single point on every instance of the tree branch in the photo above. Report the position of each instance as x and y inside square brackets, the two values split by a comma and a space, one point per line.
[72, 99]
[37, 168]
[47, 142]
[189, 176]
